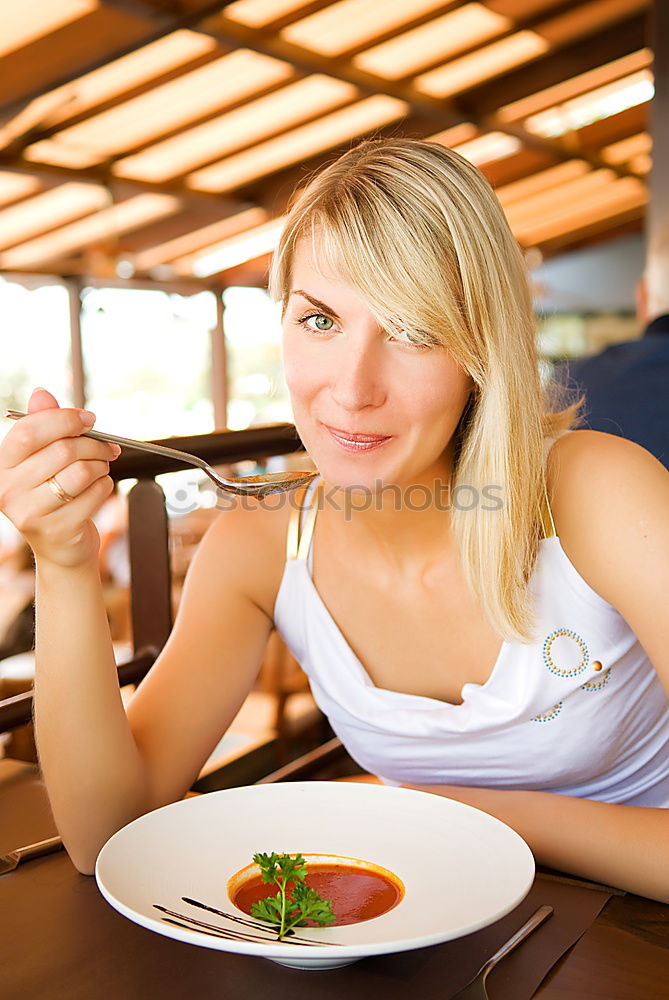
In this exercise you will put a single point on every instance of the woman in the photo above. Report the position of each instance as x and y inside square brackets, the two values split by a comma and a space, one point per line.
[467, 624]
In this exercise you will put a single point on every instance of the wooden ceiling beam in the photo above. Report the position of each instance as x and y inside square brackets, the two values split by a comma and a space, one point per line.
[273, 191]
[556, 67]
[531, 23]
[285, 20]
[444, 113]
[243, 147]
[150, 11]
[658, 213]
[606, 131]
[35, 136]
[342, 69]
[563, 148]
[72, 268]
[430, 115]
[190, 20]
[39, 134]
[616, 225]
[170, 228]
[51, 227]
[233, 34]
[515, 168]
[415, 22]
[226, 205]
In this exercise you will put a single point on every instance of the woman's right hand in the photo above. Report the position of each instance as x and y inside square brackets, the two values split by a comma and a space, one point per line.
[46, 443]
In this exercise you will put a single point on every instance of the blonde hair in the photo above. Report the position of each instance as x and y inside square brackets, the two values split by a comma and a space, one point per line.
[419, 233]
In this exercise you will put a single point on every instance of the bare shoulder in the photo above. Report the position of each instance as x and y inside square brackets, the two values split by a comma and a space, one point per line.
[248, 538]
[606, 494]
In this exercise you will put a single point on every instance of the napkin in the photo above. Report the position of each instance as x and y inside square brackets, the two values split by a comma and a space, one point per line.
[440, 971]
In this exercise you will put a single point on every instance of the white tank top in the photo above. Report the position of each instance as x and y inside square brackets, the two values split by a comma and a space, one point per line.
[579, 712]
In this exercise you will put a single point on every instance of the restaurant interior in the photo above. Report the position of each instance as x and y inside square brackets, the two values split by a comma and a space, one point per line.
[148, 152]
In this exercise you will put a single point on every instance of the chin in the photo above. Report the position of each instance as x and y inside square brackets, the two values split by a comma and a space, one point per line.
[362, 481]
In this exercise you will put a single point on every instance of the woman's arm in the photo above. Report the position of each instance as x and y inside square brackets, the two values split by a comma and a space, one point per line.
[104, 765]
[610, 502]
[625, 846]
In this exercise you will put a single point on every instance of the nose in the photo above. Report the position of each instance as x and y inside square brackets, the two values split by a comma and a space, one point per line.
[357, 378]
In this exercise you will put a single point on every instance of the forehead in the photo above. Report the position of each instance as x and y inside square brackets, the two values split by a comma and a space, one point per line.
[308, 260]
[311, 273]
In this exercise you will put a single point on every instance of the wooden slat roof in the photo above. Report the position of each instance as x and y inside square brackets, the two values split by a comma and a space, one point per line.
[165, 133]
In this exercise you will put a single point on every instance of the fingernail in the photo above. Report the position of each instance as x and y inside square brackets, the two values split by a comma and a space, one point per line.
[116, 450]
[87, 418]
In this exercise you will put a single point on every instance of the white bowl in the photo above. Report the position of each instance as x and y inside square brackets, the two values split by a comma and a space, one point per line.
[461, 868]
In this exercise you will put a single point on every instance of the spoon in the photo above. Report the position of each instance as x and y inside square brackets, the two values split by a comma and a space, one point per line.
[255, 486]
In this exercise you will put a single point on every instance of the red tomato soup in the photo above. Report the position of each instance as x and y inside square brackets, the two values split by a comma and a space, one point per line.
[357, 892]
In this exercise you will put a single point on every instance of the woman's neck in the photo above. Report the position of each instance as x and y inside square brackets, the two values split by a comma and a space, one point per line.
[400, 526]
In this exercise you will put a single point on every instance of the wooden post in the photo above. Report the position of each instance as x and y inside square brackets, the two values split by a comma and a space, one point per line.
[657, 221]
[77, 358]
[150, 575]
[219, 367]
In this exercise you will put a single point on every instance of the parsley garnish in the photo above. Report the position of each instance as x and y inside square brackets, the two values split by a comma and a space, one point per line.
[289, 911]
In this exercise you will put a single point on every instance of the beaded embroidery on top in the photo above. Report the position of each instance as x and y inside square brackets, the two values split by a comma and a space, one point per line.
[548, 657]
[552, 713]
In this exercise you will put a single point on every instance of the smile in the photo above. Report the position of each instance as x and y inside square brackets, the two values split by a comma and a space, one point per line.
[356, 442]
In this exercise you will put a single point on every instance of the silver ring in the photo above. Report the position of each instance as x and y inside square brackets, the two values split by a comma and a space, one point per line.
[56, 488]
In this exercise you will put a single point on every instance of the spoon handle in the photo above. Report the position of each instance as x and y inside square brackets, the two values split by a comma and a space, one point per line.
[155, 449]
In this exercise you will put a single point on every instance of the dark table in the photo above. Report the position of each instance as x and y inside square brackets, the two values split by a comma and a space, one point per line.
[59, 938]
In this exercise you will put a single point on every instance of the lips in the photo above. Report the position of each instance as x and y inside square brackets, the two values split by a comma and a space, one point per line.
[355, 441]
[350, 436]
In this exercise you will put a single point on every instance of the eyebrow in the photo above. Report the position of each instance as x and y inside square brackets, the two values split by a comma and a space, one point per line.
[316, 302]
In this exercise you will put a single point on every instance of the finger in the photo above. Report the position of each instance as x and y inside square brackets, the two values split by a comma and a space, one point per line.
[28, 498]
[56, 457]
[73, 480]
[68, 518]
[39, 504]
[41, 399]
[39, 429]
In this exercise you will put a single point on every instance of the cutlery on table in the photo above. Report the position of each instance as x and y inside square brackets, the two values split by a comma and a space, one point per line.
[256, 486]
[8, 862]
[475, 990]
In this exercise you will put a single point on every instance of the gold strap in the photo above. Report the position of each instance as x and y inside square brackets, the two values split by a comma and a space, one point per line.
[292, 537]
[295, 539]
[310, 520]
[547, 521]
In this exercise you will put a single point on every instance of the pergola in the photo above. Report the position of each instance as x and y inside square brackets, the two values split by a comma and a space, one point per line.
[156, 142]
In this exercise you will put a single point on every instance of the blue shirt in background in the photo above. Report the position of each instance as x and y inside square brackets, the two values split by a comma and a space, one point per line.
[627, 388]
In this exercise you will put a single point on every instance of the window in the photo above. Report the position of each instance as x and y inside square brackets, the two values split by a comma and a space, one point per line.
[35, 351]
[258, 393]
[147, 358]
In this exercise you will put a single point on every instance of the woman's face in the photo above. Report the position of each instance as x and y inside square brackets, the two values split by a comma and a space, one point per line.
[369, 408]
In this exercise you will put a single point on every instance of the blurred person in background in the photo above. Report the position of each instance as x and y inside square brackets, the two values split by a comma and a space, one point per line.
[627, 385]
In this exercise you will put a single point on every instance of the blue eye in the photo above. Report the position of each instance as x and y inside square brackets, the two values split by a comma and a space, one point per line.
[320, 319]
